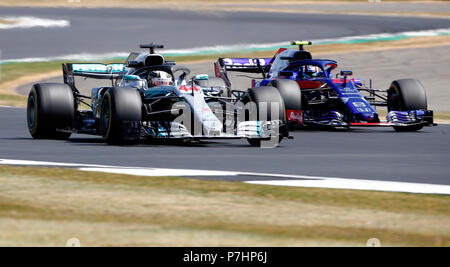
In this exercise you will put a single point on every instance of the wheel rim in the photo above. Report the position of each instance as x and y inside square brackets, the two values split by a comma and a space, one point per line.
[31, 112]
[394, 102]
[105, 116]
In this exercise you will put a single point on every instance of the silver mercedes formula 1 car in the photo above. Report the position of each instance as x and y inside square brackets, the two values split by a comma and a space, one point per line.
[152, 98]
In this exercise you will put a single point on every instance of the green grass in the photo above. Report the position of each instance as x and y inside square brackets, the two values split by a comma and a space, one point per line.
[46, 206]
[12, 98]
[12, 71]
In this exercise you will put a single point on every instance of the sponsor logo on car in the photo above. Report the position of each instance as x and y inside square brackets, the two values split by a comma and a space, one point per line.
[295, 115]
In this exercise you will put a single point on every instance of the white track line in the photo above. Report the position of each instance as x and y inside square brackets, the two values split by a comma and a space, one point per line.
[161, 171]
[31, 22]
[141, 171]
[357, 184]
[289, 180]
[9, 107]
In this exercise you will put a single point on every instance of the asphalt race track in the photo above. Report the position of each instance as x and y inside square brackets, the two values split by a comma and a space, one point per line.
[375, 153]
[94, 30]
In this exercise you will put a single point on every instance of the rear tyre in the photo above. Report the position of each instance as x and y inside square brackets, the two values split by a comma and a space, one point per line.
[50, 108]
[405, 95]
[291, 94]
[265, 98]
[120, 107]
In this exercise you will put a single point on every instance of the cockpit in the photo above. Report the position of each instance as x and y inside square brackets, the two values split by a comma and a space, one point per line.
[159, 75]
[310, 69]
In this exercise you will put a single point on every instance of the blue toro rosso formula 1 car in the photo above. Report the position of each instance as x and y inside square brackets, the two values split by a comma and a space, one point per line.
[151, 98]
[314, 97]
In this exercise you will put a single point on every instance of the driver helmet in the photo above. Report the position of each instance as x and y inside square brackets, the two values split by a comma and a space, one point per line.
[156, 78]
[311, 70]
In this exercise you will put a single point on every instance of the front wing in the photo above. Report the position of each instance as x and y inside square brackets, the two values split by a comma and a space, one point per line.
[246, 129]
[336, 119]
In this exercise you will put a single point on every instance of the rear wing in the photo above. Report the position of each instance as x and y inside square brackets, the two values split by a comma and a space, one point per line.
[92, 70]
[249, 65]
[252, 65]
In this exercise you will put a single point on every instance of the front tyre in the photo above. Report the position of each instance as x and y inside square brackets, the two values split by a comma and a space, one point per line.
[269, 107]
[260, 142]
[406, 95]
[120, 108]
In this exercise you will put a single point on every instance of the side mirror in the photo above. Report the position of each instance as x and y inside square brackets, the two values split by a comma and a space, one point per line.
[346, 73]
